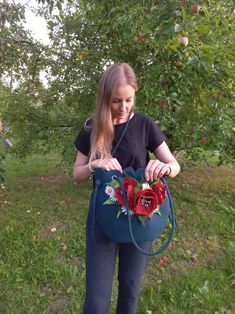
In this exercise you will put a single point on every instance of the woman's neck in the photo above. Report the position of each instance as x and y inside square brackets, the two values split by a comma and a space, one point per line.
[120, 121]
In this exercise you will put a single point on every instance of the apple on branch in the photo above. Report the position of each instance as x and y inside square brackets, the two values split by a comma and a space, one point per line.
[196, 8]
[183, 41]
[203, 139]
[141, 38]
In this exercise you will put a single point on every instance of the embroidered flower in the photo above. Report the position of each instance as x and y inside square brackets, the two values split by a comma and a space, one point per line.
[124, 211]
[146, 202]
[143, 198]
[160, 190]
[109, 190]
[157, 211]
[145, 186]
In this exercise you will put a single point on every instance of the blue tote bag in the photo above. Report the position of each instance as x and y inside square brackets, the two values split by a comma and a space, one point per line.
[118, 221]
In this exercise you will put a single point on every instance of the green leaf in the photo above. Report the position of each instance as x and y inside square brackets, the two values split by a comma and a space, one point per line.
[173, 44]
[204, 29]
[193, 60]
[114, 184]
[51, 6]
[119, 213]
[205, 289]
[59, 6]
[177, 28]
[109, 202]
[142, 219]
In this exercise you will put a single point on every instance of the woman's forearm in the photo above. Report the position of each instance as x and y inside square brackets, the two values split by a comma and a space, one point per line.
[174, 168]
[81, 173]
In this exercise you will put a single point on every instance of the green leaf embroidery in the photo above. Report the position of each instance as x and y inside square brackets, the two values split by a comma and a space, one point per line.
[109, 202]
[114, 184]
[119, 213]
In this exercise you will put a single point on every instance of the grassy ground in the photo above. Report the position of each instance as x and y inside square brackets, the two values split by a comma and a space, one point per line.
[42, 221]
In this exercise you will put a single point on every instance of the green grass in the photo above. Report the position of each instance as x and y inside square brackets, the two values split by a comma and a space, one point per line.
[42, 243]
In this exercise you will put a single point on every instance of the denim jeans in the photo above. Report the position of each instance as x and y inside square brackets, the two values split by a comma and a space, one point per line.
[101, 254]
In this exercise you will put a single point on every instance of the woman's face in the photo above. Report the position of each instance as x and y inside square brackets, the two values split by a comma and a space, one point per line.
[122, 102]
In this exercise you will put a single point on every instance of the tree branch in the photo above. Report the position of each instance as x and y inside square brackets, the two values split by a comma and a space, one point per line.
[54, 127]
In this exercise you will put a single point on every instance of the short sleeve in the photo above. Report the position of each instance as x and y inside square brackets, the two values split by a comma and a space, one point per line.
[155, 135]
[82, 142]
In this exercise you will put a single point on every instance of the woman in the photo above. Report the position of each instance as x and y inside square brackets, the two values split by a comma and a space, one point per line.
[115, 105]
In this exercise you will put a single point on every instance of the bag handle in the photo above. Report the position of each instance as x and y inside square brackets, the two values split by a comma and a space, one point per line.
[171, 217]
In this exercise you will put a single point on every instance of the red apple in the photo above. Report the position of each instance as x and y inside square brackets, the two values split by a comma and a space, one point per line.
[203, 139]
[196, 8]
[194, 259]
[178, 65]
[140, 38]
[162, 104]
[223, 93]
[183, 41]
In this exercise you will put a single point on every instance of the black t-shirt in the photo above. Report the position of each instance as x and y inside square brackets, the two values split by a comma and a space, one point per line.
[142, 136]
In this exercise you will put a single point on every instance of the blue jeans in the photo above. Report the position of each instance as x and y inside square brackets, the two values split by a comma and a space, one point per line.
[101, 253]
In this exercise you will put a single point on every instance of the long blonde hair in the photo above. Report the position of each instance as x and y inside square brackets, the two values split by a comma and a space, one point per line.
[102, 134]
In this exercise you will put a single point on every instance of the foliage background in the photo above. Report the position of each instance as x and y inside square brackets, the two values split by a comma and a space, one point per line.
[188, 90]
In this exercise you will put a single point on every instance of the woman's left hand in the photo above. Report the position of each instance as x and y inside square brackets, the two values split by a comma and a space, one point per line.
[156, 169]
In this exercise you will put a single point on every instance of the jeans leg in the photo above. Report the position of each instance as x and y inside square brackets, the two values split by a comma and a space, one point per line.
[100, 263]
[130, 272]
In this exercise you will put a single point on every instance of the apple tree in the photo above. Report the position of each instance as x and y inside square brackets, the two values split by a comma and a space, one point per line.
[183, 55]
[19, 67]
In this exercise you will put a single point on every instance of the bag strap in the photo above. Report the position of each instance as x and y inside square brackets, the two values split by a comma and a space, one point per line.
[121, 137]
[171, 217]
[116, 146]
[97, 182]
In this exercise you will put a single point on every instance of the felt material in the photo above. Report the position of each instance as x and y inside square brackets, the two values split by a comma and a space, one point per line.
[128, 228]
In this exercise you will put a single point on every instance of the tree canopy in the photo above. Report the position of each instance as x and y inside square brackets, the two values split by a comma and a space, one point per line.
[181, 51]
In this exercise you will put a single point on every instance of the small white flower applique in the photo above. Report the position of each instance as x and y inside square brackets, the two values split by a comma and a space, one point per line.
[109, 190]
[124, 210]
[145, 186]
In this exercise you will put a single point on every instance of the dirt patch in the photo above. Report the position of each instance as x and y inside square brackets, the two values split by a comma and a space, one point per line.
[59, 179]
[52, 229]
[57, 305]
[208, 180]
[216, 257]
[54, 179]
[179, 267]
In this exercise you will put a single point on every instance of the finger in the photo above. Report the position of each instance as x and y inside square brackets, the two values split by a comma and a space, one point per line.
[159, 171]
[164, 171]
[148, 170]
[155, 169]
[111, 164]
[116, 165]
[106, 164]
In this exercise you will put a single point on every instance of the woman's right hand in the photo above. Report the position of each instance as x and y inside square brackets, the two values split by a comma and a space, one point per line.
[106, 164]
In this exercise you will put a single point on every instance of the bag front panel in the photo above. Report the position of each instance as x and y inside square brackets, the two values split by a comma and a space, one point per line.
[117, 228]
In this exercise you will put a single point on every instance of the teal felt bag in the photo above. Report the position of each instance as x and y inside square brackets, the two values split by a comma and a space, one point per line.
[118, 221]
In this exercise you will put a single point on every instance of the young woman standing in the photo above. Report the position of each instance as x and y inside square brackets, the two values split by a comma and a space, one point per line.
[115, 105]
